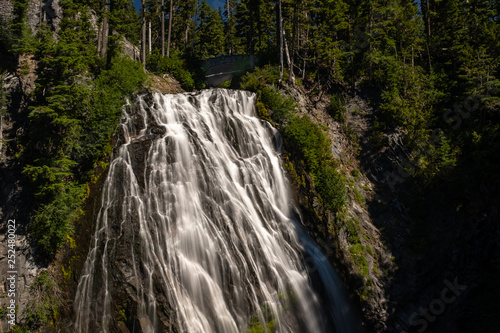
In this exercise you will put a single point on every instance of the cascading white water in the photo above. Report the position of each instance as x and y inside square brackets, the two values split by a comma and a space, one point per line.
[201, 237]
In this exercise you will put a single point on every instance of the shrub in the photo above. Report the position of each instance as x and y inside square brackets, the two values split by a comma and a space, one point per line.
[53, 222]
[331, 187]
[173, 65]
[358, 255]
[353, 230]
[44, 307]
[336, 108]
[311, 145]
[280, 105]
[309, 142]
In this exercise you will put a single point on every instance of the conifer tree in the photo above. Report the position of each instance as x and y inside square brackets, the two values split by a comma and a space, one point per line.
[183, 24]
[209, 33]
[232, 43]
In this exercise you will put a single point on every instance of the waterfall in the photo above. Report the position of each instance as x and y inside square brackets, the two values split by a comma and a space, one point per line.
[197, 231]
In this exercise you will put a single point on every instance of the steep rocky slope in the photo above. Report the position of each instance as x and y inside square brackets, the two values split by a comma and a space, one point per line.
[433, 258]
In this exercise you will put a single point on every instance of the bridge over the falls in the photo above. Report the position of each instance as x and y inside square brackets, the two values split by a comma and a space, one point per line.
[223, 68]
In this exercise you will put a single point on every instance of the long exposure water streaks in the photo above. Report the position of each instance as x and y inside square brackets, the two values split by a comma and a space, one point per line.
[215, 237]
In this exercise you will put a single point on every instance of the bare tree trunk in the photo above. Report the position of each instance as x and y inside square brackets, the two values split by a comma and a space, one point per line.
[143, 42]
[149, 38]
[198, 2]
[105, 29]
[412, 58]
[429, 32]
[41, 13]
[162, 28]
[228, 17]
[294, 34]
[170, 17]
[305, 58]
[186, 36]
[428, 18]
[280, 34]
[370, 43]
[99, 42]
[291, 77]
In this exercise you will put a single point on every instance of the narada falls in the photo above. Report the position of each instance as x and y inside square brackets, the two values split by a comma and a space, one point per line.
[197, 230]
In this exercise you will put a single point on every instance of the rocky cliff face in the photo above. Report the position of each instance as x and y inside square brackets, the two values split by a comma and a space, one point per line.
[435, 257]
[38, 11]
[13, 199]
[47, 11]
[366, 280]
[6, 11]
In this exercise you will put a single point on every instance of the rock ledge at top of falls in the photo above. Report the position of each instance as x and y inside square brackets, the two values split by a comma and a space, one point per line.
[165, 84]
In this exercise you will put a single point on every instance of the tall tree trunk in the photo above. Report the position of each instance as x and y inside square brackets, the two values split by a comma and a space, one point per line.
[370, 43]
[228, 24]
[170, 17]
[412, 58]
[111, 49]
[305, 57]
[149, 38]
[429, 32]
[186, 36]
[99, 41]
[428, 18]
[41, 13]
[104, 30]
[280, 37]
[291, 77]
[143, 42]
[162, 28]
[294, 35]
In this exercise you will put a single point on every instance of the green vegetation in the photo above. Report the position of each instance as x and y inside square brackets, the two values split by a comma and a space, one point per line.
[255, 325]
[355, 173]
[44, 306]
[358, 254]
[62, 148]
[306, 141]
[357, 196]
[174, 65]
[76, 107]
[336, 108]
[353, 231]
[265, 320]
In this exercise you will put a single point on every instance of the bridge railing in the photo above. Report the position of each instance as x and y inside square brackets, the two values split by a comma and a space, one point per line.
[228, 59]
[223, 68]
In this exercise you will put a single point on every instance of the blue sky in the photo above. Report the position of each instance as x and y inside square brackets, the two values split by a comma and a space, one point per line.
[213, 3]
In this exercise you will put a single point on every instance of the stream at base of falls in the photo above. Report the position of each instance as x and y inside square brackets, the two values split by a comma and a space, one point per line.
[197, 230]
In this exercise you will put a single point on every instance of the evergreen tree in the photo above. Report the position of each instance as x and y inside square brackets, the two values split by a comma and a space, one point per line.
[256, 26]
[184, 25]
[123, 22]
[209, 33]
[329, 23]
[22, 40]
[232, 43]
